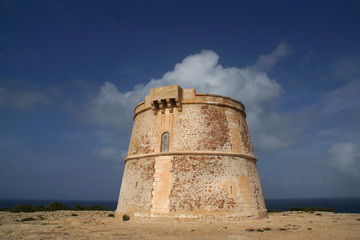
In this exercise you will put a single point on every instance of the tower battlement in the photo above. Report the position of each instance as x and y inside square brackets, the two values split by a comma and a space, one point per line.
[190, 156]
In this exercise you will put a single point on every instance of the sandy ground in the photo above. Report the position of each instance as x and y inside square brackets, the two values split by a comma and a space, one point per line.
[99, 225]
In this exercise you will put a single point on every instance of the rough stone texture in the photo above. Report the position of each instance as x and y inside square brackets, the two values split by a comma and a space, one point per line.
[137, 184]
[207, 184]
[143, 135]
[209, 170]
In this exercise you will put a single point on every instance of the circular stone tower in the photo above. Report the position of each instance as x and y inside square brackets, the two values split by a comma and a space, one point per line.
[190, 156]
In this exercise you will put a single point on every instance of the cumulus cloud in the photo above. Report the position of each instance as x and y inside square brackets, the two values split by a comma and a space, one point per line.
[111, 108]
[202, 71]
[345, 157]
[22, 99]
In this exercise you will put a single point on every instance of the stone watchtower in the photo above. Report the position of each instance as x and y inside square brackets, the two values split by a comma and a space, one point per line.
[190, 156]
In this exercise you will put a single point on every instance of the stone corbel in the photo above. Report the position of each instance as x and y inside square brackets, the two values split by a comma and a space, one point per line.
[178, 106]
[169, 103]
[162, 105]
[155, 106]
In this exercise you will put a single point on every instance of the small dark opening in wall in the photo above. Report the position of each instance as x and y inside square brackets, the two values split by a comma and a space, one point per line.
[156, 104]
[165, 139]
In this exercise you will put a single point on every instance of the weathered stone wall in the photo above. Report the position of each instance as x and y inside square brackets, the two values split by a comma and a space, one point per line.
[197, 128]
[202, 185]
[209, 168]
[136, 186]
[143, 135]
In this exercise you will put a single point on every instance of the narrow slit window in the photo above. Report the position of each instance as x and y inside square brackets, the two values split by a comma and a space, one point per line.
[165, 139]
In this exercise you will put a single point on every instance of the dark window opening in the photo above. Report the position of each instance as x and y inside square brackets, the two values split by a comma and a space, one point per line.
[165, 139]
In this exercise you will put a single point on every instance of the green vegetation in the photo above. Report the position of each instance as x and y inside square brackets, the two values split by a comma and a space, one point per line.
[267, 229]
[312, 209]
[79, 207]
[274, 210]
[54, 206]
[96, 208]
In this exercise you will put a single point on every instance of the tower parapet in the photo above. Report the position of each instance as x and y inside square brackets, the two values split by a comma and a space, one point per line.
[190, 156]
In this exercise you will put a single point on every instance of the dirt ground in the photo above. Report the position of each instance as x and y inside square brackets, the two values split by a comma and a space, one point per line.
[99, 225]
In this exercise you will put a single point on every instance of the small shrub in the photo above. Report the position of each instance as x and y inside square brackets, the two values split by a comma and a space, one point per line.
[321, 209]
[282, 229]
[126, 217]
[97, 208]
[111, 215]
[6, 209]
[274, 210]
[318, 214]
[303, 209]
[309, 228]
[250, 230]
[260, 230]
[74, 215]
[55, 206]
[192, 230]
[267, 229]
[312, 209]
[79, 207]
[22, 208]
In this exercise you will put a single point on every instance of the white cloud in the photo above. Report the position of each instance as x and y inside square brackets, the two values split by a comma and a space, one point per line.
[266, 62]
[251, 85]
[22, 99]
[268, 142]
[346, 158]
[111, 108]
[345, 98]
[110, 154]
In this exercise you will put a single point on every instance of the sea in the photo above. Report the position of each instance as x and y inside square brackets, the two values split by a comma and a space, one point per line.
[341, 205]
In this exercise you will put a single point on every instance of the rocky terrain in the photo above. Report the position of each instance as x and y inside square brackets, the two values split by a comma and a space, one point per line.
[102, 225]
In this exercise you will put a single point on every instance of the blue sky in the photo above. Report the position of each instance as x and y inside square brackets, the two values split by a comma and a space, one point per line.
[71, 73]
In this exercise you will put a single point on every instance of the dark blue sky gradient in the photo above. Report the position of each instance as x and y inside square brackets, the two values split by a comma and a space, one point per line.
[62, 53]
